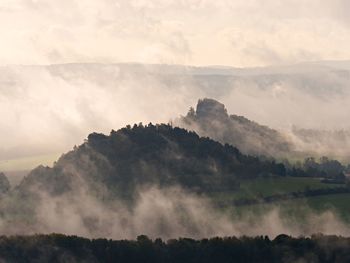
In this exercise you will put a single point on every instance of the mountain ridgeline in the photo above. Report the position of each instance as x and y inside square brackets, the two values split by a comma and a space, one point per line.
[153, 154]
[211, 119]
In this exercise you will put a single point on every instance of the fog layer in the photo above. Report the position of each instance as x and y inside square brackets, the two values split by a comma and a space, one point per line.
[167, 213]
[47, 109]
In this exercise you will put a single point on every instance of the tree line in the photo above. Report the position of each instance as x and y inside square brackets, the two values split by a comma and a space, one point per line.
[60, 248]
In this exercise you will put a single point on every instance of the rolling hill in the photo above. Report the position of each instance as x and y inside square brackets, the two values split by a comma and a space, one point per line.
[146, 155]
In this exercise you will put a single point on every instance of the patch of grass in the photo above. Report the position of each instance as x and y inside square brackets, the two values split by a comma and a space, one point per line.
[262, 187]
[299, 209]
[294, 209]
[339, 203]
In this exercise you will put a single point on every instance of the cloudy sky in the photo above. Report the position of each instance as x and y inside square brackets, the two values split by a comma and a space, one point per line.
[241, 33]
[46, 110]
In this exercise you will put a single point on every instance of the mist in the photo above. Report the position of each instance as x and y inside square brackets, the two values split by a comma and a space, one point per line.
[167, 213]
[75, 197]
[172, 119]
[48, 109]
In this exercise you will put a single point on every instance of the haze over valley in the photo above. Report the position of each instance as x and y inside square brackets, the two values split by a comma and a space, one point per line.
[174, 131]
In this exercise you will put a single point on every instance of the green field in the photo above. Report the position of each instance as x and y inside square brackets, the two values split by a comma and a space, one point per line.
[295, 208]
[339, 203]
[262, 187]
[299, 209]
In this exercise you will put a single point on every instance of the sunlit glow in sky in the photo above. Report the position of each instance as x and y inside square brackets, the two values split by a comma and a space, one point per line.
[240, 33]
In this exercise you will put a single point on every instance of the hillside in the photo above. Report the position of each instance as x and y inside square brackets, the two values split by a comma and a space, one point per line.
[150, 155]
[211, 119]
[169, 181]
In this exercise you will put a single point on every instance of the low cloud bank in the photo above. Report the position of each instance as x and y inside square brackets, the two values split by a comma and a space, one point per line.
[167, 213]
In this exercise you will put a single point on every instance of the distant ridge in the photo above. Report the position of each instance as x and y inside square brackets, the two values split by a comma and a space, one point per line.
[211, 119]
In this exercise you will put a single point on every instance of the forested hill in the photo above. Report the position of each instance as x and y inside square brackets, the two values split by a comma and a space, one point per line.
[210, 118]
[152, 154]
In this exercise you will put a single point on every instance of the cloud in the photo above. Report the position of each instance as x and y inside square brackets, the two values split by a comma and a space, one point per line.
[50, 109]
[166, 213]
[200, 32]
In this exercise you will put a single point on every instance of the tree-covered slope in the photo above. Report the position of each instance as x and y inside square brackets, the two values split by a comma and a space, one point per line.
[152, 154]
[4, 184]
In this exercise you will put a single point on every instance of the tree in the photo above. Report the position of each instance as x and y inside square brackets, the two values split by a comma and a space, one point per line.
[4, 184]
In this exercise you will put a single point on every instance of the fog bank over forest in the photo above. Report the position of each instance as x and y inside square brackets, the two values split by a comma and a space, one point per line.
[159, 180]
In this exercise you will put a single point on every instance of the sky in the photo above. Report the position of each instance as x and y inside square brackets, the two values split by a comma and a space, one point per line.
[239, 33]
